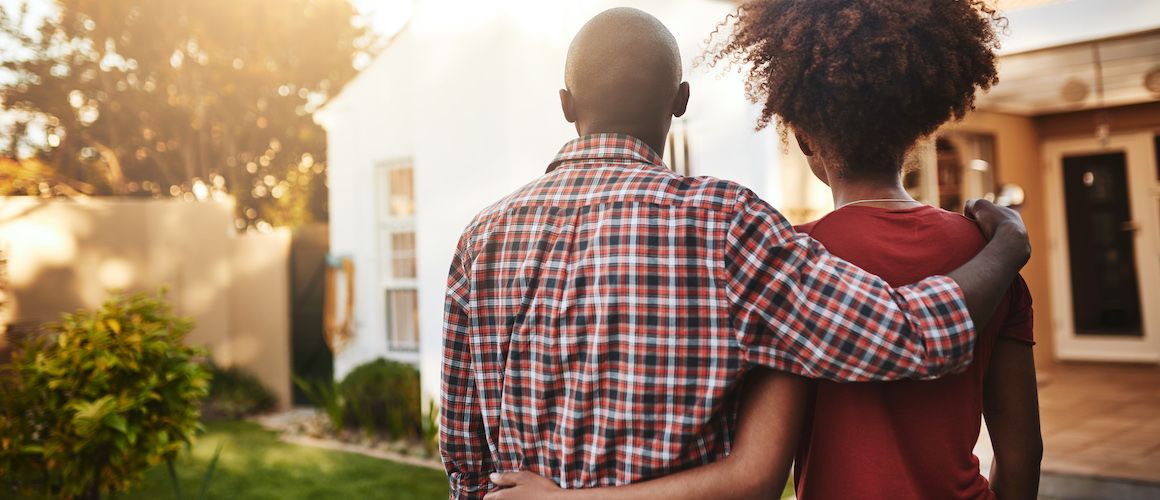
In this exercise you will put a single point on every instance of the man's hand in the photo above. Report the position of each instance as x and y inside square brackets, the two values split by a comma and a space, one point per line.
[986, 278]
[521, 485]
[992, 219]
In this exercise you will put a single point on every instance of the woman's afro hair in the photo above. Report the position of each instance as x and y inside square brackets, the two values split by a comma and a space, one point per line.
[864, 78]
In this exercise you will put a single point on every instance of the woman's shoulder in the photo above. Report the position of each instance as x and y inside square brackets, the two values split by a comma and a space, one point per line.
[806, 227]
[924, 222]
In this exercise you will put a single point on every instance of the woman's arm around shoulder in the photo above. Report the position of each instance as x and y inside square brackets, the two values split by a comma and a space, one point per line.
[770, 423]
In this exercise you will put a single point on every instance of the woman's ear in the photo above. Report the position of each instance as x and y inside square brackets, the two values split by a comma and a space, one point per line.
[568, 105]
[805, 143]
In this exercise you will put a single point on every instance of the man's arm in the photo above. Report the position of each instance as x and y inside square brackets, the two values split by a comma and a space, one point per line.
[772, 408]
[1011, 406]
[800, 309]
[987, 277]
[462, 443]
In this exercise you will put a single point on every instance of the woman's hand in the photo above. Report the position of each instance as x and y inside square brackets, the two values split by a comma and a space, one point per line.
[521, 485]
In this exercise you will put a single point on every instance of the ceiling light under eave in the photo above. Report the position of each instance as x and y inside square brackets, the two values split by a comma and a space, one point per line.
[1152, 80]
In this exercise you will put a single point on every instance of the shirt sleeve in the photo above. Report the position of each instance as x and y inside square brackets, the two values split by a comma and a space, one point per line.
[462, 442]
[799, 309]
[1020, 321]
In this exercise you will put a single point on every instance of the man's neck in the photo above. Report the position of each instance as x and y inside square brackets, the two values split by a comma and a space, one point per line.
[655, 139]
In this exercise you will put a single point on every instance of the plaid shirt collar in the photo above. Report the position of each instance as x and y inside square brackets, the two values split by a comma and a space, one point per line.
[616, 148]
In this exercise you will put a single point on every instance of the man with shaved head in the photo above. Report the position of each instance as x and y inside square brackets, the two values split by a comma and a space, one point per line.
[599, 319]
[624, 74]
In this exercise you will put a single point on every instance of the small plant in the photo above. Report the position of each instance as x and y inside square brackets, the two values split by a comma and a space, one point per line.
[327, 397]
[386, 395]
[106, 395]
[205, 479]
[235, 393]
[431, 429]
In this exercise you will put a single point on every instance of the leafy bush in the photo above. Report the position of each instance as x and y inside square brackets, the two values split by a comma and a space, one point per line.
[235, 393]
[113, 393]
[384, 396]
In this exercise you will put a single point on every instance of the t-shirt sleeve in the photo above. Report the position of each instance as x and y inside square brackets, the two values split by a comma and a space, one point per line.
[1020, 320]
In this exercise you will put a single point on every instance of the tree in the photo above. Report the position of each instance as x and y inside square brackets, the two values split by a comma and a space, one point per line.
[180, 98]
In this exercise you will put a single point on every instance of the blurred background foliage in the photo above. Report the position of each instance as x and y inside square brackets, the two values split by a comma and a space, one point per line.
[176, 98]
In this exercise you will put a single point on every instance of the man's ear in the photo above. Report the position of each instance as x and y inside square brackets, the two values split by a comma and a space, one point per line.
[804, 143]
[681, 101]
[568, 105]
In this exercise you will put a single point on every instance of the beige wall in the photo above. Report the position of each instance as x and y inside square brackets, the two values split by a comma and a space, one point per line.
[1018, 161]
[260, 309]
[65, 255]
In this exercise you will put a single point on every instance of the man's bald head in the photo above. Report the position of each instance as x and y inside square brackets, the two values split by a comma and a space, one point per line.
[624, 69]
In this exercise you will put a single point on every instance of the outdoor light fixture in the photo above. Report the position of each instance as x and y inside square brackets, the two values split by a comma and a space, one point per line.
[1074, 90]
[1152, 80]
[1010, 195]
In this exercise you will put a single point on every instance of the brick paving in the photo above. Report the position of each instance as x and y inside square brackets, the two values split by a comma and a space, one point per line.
[1102, 421]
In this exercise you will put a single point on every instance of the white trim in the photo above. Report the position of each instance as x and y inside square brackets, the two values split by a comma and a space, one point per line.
[1144, 202]
[386, 226]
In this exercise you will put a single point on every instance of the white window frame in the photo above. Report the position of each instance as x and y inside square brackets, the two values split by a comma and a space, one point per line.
[388, 225]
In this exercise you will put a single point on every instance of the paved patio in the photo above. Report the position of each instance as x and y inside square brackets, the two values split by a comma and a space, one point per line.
[1102, 422]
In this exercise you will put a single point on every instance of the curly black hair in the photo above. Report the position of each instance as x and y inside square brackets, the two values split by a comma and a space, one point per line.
[865, 78]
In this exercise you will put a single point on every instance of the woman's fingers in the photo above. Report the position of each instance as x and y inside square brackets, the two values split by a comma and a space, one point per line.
[517, 485]
[507, 479]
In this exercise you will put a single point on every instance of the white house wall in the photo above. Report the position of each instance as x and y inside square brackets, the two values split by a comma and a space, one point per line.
[371, 121]
[469, 91]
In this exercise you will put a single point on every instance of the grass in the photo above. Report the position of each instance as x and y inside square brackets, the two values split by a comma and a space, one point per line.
[255, 465]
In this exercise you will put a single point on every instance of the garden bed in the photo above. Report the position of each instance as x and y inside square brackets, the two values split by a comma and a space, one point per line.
[308, 427]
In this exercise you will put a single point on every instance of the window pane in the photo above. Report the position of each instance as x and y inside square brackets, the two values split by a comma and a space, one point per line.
[402, 192]
[403, 320]
[403, 255]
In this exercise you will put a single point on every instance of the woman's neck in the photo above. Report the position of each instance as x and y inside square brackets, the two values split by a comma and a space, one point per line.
[862, 191]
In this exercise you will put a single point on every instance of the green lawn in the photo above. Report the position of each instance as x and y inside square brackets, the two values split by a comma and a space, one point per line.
[255, 465]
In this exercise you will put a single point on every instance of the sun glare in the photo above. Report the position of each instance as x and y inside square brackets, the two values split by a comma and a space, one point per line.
[386, 17]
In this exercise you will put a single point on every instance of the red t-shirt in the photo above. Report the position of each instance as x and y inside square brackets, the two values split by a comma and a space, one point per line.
[907, 439]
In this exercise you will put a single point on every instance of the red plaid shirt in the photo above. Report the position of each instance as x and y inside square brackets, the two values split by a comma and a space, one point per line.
[599, 318]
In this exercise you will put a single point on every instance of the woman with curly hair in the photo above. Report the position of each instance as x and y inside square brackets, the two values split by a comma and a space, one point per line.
[858, 83]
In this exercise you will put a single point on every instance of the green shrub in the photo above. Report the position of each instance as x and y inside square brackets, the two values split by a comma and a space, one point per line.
[110, 393]
[235, 393]
[384, 396]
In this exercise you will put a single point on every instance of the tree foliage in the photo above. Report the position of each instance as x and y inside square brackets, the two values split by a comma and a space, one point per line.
[108, 394]
[181, 98]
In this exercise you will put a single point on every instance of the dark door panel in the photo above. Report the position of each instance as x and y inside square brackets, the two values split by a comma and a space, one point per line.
[1100, 231]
